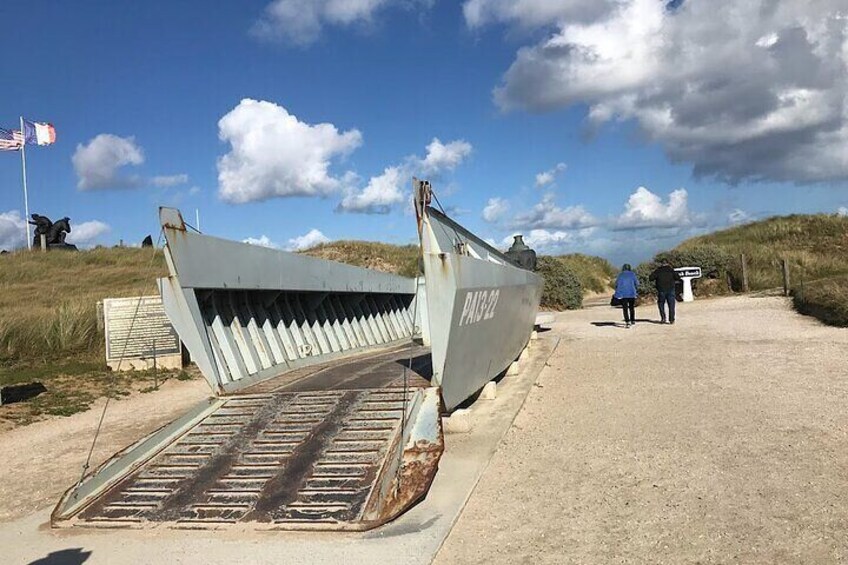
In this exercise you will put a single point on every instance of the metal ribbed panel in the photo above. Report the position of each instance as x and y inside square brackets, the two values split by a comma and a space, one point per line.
[253, 332]
[309, 458]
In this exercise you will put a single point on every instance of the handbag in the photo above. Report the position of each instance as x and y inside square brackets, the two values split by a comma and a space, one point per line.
[615, 302]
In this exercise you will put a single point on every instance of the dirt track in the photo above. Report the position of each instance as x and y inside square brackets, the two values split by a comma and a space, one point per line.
[722, 439]
[40, 461]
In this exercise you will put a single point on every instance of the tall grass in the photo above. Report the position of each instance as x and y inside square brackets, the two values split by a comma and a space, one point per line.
[595, 273]
[48, 301]
[398, 259]
[826, 299]
[816, 247]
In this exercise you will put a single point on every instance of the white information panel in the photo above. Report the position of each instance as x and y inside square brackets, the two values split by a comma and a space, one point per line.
[137, 330]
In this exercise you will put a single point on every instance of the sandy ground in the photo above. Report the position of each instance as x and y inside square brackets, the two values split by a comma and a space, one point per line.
[721, 439]
[40, 461]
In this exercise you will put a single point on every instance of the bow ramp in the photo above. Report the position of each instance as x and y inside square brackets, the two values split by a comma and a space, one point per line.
[323, 415]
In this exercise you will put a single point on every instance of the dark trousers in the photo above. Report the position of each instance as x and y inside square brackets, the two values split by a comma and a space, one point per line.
[664, 298]
[629, 307]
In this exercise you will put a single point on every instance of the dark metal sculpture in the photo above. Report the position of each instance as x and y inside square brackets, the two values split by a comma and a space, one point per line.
[522, 255]
[54, 232]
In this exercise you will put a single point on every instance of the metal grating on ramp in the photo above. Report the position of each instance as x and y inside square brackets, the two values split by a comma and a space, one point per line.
[276, 460]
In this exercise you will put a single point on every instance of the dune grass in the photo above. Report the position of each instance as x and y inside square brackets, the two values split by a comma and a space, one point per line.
[397, 259]
[825, 299]
[816, 248]
[48, 301]
[596, 274]
[49, 329]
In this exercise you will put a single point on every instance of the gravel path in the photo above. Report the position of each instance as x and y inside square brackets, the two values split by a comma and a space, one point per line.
[41, 461]
[722, 439]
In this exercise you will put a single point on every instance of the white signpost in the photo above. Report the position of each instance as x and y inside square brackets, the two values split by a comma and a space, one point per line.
[686, 274]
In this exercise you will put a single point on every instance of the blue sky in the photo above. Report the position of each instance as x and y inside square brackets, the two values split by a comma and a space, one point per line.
[277, 118]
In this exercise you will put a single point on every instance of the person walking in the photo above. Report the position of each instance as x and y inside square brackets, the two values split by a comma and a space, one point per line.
[626, 290]
[665, 278]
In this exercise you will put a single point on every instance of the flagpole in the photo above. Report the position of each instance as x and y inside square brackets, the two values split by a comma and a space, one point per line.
[26, 196]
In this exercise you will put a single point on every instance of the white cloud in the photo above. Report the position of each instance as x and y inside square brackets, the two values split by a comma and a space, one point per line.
[742, 90]
[194, 191]
[381, 193]
[386, 190]
[644, 209]
[306, 241]
[99, 163]
[444, 157]
[738, 216]
[86, 234]
[543, 239]
[12, 230]
[261, 241]
[495, 209]
[842, 211]
[169, 180]
[300, 22]
[547, 215]
[547, 177]
[273, 154]
[310, 239]
[530, 13]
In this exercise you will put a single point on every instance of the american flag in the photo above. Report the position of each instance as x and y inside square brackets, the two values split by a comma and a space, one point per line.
[10, 140]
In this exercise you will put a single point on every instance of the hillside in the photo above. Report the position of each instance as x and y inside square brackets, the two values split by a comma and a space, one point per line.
[48, 326]
[385, 257]
[815, 247]
[595, 273]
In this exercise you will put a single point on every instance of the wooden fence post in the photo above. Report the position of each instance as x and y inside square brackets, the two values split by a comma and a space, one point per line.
[785, 277]
[744, 274]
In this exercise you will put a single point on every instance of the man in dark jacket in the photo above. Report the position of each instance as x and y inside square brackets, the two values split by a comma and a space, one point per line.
[664, 278]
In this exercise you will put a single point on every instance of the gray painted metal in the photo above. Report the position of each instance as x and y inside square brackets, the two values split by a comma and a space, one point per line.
[481, 306]
[348, 445]
[248, 313]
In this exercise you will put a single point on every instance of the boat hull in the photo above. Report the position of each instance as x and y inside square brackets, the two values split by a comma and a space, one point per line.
[481, 315]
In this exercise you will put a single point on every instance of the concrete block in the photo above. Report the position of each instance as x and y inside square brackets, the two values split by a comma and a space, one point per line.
[490, 391]
[459, 422]
[524, 355]
[534, 335]
[513, 369]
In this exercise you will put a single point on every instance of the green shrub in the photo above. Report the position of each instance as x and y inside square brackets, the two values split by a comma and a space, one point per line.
[595, 273]
[714, 261]
[562, 290]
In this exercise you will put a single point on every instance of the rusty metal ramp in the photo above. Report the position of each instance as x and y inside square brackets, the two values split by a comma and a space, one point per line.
[326, 459]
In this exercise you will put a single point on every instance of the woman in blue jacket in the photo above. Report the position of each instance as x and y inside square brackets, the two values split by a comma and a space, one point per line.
[626, 289]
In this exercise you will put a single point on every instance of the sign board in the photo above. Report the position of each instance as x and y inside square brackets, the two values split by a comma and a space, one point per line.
[689, 272]
[137, 330]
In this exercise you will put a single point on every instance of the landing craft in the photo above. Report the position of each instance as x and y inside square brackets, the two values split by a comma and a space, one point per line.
[481, 305]
[328, 382]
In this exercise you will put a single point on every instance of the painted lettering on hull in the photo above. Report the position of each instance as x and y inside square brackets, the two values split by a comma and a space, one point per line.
[479, 305]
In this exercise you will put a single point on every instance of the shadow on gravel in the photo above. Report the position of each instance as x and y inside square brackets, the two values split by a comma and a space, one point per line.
[621, 324]
[75, 556]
